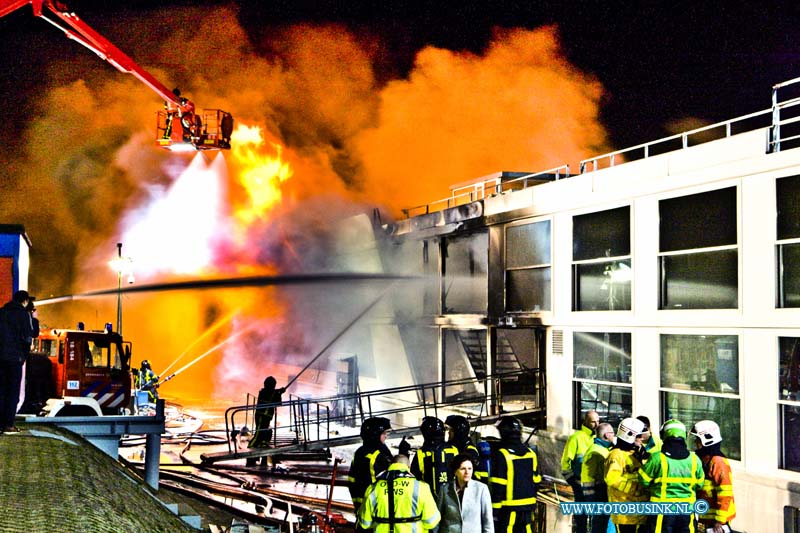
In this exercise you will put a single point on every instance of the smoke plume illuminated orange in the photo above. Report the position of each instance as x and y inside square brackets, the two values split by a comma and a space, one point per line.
[318, 139]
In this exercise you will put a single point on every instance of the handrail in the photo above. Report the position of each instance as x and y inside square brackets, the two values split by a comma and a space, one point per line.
[305, 426]
[482, 188]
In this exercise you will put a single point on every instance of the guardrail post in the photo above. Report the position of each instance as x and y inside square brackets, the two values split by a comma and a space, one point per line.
[152, 453]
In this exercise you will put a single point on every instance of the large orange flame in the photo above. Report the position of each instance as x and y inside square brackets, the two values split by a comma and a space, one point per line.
[262, 173]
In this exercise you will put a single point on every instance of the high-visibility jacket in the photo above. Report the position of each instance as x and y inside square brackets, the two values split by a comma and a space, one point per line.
[672, 480]
[622, 480]
[368, 461]
[653, 444]
[593, 470]
[431, 464]
[577, 445]
[398, 503]
[717, 490]
[514, 477]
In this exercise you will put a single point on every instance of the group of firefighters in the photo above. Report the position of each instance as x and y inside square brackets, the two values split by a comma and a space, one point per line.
[635, 465]
[509, 467]
[630, 464]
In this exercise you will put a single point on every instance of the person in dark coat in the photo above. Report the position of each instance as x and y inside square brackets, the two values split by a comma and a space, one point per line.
[16, 335]
[431, 463]
[267, 395]
[370, 459]
[514, 479]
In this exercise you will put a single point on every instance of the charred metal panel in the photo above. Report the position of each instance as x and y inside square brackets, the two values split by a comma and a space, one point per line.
[496, 281]
[438, 223]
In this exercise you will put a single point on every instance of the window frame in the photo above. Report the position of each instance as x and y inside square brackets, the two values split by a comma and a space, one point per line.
[780, 245]
[540, 267]
[662, 255]
[738, 396]
[782, 403]
[577, 263]
[577, 383]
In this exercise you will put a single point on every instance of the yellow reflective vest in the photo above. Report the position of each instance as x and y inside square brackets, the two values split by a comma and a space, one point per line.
[577, 445]
[410, 510]
[593, 471]
[672, 480]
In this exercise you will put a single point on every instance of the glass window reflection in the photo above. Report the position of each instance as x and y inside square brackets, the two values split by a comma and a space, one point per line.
[602, 356]
[700, 362]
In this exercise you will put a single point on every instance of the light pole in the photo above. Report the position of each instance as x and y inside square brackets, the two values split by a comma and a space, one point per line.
[119, 289]
[121, 265]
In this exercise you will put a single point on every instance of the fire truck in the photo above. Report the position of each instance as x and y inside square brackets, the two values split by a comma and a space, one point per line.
[73, 372]
[179, 126]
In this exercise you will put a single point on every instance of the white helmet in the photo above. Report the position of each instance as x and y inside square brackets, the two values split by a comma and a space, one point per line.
[629, 429]
[707, 431]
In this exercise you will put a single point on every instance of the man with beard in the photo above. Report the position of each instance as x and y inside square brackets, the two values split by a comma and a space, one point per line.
[672, 475]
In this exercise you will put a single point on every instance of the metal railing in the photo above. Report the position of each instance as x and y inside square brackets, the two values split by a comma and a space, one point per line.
[481, 188]
[311, 419]
[782, 125]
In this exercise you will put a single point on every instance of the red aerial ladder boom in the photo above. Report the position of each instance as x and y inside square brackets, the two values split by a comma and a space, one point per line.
[211, 130]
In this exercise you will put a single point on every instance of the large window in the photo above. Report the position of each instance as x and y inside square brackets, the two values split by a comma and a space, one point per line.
[528, 267]
[602, 375]
[787, 195]
[789, 403]
[465, 263]
[700, 381]
[601, 260]
[699, 255]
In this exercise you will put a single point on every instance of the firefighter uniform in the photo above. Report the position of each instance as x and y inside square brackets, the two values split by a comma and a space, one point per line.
[717, 491]
[459, 437]
[147, 380]
[718, 485]
[672, 475]
[369, 460]
[514, 479]
[623, 485]
[431, 463]
[398, 503]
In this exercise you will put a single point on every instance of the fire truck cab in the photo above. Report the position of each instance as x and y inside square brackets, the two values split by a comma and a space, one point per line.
[89, 372]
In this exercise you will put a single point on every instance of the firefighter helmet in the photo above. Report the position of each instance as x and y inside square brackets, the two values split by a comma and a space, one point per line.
[146, 364]
[372, 428]
[629, 429]
[673, 428]
[509, 427]
[432, 429]
[707, 432]
[459, 426]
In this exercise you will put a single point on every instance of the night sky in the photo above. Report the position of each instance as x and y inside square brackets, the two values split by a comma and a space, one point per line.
[658, 62]
[659, 68]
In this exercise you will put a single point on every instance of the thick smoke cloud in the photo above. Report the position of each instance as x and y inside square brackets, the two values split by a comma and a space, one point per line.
[90, 174]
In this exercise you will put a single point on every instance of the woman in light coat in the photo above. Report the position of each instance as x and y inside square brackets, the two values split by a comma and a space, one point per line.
[464, 503]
